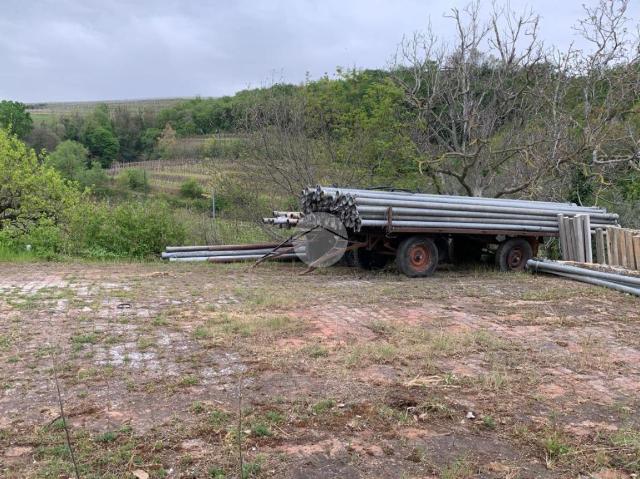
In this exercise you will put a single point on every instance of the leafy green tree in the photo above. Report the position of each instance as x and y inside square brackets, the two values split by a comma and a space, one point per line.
[69, 158]
[102, 143]
[191, 189]
[15, 117]
[30, 192]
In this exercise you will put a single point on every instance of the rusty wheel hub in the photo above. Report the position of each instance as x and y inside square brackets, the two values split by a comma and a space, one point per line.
[419, 257]
[515, 258]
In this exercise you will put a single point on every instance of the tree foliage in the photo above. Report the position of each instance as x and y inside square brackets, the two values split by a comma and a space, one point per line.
[31, 193]
[15, 117]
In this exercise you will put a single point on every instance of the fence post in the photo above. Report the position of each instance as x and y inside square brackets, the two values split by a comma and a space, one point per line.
[636, 250]
[588, 251]
[615, 254]
[213, 204]
[571, 240]
[563, 238]
[600, 258]
[578, 230]
[630, 253]
[622, 248]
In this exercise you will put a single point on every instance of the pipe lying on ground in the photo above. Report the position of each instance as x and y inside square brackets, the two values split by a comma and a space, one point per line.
[222, 247]
[232, 258]
[553, 266]
[212, 254]
[616, 282]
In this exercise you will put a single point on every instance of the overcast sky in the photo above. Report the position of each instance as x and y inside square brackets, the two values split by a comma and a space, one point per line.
[63, 50]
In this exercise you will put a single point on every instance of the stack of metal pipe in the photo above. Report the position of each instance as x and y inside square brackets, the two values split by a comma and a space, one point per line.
[359, 208]
[616, 281]
[228, 253]
[284, 219]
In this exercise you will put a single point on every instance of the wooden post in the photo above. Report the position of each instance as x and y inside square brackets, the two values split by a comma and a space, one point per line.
[636, 250]
[588, 249]
[614, 247]
[579, 235]
[622, 248]
[571, 241]
[631, 259]
[600, 258]
[610, 256]
[563, 238]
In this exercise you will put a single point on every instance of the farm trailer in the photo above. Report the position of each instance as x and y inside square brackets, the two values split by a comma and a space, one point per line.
[419, 230]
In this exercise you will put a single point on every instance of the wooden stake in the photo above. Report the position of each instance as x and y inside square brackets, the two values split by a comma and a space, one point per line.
[610, 255]
[631, 259]
[636, 250]
[571, 238]
[622, 248]
[579, 232]
[614, 247]
[588, 248]
[563, 238]
[600, 258]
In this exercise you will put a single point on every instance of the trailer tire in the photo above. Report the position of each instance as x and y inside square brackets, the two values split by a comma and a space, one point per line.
[513, 254]
[417, 257]
[370, 260]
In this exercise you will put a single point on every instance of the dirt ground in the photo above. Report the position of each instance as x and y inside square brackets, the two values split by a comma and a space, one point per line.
[181, 370]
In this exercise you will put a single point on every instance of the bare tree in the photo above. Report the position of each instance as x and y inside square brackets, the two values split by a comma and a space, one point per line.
[478, 115]
[595, 124]
[291, 145]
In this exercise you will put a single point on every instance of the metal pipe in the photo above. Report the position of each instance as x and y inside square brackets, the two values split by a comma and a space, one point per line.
[555, 267]
[599, 282]
[223, 247]
[230, 259]
[446, 219]
[464, 207]
[463, 200]
[370, 211]
[384, 193]
[432, 224]
[211, 254]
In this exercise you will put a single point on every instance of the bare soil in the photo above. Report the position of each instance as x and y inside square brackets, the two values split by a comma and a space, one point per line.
[179, 370]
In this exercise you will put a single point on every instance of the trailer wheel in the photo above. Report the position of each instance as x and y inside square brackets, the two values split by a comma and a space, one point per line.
[370, 260]
[417, 256]
[513, 254]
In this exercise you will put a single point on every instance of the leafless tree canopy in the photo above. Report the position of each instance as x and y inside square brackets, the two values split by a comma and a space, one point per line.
[495, 111]
[292, 147]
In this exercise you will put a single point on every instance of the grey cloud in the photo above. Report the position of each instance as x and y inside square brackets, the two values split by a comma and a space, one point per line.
[86, 50]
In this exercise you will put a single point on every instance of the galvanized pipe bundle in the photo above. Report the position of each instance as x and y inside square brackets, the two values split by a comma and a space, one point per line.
[284, 219]
[359, 208]
[228, 253]
[618, 282]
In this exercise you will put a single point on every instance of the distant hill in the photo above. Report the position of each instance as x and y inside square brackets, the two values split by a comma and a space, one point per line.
[57, 108]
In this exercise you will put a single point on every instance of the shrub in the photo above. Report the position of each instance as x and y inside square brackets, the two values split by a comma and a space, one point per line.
[134, 229]
[135, 179]
[69, 158]
[102, 143]
[34, 198]
[191, 189]
[230, 148]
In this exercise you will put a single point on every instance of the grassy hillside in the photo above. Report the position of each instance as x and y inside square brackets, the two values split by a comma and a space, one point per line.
[45, 111]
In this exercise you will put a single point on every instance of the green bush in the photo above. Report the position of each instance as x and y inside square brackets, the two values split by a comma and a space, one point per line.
[135, 179]
[35, 201]
[222, 148]
[191, 189]
[133, 229]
